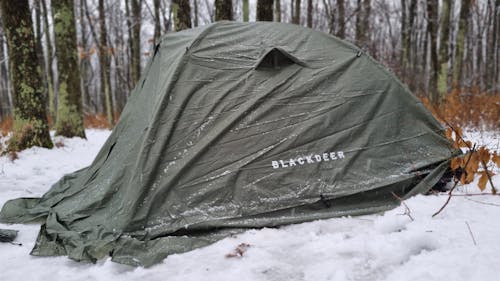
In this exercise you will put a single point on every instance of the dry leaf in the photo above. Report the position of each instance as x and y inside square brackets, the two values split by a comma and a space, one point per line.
[456, 163]
[463, 178]
[458, 131]
[470, 177]
[484, 154]
[483, 180]
[496, 159]
[473, 164]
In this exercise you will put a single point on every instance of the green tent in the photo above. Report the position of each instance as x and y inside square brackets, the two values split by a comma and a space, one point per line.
[236, 126]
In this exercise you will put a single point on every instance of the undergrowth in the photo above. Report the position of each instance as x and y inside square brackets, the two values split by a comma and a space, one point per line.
[467, 109]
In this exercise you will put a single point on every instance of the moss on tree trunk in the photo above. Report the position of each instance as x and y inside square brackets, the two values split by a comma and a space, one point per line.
[223, 10]
[69, 112]
[30, 118]
[182, 14]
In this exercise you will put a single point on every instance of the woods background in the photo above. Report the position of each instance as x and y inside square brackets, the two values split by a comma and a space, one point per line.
[88, 54]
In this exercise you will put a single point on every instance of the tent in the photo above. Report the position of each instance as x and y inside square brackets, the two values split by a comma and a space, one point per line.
[235, 126]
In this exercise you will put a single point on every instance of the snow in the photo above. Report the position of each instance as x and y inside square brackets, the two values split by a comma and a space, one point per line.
[461, 243]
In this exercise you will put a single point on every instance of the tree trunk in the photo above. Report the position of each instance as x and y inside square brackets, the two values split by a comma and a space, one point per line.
[443, 49]
[309, 13]
[363, 22]
[296, 12]
[496, 48]
[341, 20]
[84, 58]
[157, 32]
[412, 43]
[30, 116]
[434, 64]
[265, 10]
[277, 11]
[104, 65]
[223, 10]
[38, 33]
[489, 55]
[69, 112]
[5, 101]
[135, 48]
[460, 42]
[130, 40]
[195, 3]
[182, 14]
[246, 10]
[404, 39]
[50, 59]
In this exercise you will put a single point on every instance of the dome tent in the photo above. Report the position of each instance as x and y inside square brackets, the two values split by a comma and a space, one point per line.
[236, 126]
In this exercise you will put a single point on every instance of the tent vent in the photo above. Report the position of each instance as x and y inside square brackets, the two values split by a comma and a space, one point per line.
[275, 59]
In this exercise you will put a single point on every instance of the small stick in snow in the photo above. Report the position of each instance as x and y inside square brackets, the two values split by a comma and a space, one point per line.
[407, 209]
[471, 234]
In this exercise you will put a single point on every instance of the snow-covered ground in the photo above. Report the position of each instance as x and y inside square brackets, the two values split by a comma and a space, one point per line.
[461, 243]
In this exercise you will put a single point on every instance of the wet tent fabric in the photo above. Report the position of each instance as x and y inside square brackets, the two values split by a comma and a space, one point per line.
[235, 126]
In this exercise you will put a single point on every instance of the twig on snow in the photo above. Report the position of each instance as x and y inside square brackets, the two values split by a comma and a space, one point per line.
[483, 203]
[471, 234]
[407, 209]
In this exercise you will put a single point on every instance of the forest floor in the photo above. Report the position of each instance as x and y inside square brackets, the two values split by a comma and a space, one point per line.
[461, 243]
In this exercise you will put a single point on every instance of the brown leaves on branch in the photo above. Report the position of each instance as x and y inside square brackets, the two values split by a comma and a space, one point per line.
[474, 162]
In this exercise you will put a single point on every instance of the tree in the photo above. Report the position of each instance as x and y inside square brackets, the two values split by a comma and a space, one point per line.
[182, 14]
[460, 42]
[157, 33]
[69, 110]
[277, 11]
[265, 10]
[341, 29]
[245, 10]
[195, 4]
[495, 60]
[296, 12]
[434, 64]
[443, 48]
[104, 51]
[135, 40]
[85, 64]
[309, 13]
[50, 52]
[5, 97]
[30, 116]
[404, 38]
[223, 10]
[363, 22]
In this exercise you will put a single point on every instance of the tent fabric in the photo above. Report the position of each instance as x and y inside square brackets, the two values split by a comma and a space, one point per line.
[235, 126]
[7, 235]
